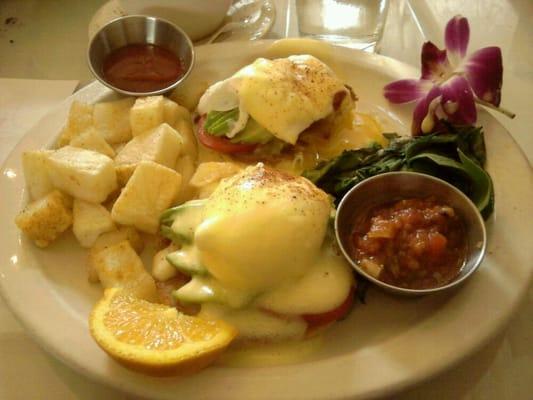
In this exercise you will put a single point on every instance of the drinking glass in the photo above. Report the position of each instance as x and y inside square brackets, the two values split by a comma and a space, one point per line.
[352, 23]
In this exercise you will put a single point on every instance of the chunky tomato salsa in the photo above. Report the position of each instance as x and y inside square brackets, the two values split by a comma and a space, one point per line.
[411, 243]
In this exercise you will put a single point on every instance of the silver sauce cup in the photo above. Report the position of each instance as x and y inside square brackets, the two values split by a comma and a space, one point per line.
[139, 29]
[393, 186]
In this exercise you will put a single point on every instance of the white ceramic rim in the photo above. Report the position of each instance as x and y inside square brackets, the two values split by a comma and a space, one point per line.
[368, 372]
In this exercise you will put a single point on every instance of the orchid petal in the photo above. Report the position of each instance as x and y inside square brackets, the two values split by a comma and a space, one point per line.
[435, 64]
[422, 110]
[484, 72]
[456, 37]
[406, 90]
[458, 101]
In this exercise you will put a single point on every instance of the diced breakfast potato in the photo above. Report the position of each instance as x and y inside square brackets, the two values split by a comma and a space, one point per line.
[189, 92]
[209, 174]
[124, 173]
[84, 174]
[80, 118]
[184, 127]
[45, 219]
[171, 111]
[162, 270]
[119, 265]
[128, 233]
[212, 171]
[90, 221]
[205, 191]
[154, 243]
[91, 139]
[146, 114]
[109, 239]
[112, 120]
[185, 167]
[162, 145]
[35, 175]
[117, 147]
[151, 189]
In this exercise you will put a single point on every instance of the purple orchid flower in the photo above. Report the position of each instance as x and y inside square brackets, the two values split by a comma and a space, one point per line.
[451, 84]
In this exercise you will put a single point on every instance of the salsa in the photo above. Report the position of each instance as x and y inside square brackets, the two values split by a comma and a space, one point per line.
[142, 68]
[412, 243]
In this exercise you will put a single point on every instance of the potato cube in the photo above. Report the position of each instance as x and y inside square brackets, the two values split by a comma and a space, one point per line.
[184, 127]
[171, 111]
[162, 270]
[45, 219]
[112, 120]
[185, 167]
[35, 175]
[117, 147]
[80, 118]
[188, 93]
[119, 265]
[205, 191]
[162, 145]
[151, 189]
[90, 221]
[91, 139]
[84, 174]
[109, 239]
[146, 114]
[124, 173]
[128, 233]
[209, 174]
[212, 171]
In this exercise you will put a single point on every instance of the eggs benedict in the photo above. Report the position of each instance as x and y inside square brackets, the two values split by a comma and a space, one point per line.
[259, 255]
[268, 104]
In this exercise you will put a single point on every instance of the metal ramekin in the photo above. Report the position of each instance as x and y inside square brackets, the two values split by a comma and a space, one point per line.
[393, 186]
[139, 29]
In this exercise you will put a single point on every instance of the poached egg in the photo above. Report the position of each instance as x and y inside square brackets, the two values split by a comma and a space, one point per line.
[262, 238]
[284, 95]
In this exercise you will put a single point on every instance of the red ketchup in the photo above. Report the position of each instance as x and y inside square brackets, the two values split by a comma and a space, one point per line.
[142, 68]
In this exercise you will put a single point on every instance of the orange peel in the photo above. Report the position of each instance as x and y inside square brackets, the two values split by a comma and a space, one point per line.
[154, 338]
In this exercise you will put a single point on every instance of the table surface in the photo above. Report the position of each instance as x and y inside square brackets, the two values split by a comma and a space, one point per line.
[47, 41]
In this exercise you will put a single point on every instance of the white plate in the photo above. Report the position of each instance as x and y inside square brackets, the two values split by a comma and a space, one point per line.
[383, 346]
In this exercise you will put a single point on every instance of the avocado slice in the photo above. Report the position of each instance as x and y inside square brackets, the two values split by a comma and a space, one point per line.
[219, 123]
[169, 215]
[186, 261]
[204, 289]
[253, 133]
[178, 223]
[196, 291]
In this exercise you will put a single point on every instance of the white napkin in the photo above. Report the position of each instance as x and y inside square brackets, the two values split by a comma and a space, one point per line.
[23, 102]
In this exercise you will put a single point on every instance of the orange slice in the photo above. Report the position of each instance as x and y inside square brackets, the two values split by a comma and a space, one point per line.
[154, 338]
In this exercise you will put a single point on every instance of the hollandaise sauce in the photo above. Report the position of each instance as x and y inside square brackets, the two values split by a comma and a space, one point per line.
[271, 354]
[260, 258]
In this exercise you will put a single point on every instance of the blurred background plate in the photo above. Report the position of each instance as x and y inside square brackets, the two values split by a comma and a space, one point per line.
[240, 10]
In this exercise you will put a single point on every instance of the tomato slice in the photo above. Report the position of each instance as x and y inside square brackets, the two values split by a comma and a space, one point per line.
[317, 320]
[221, 144]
